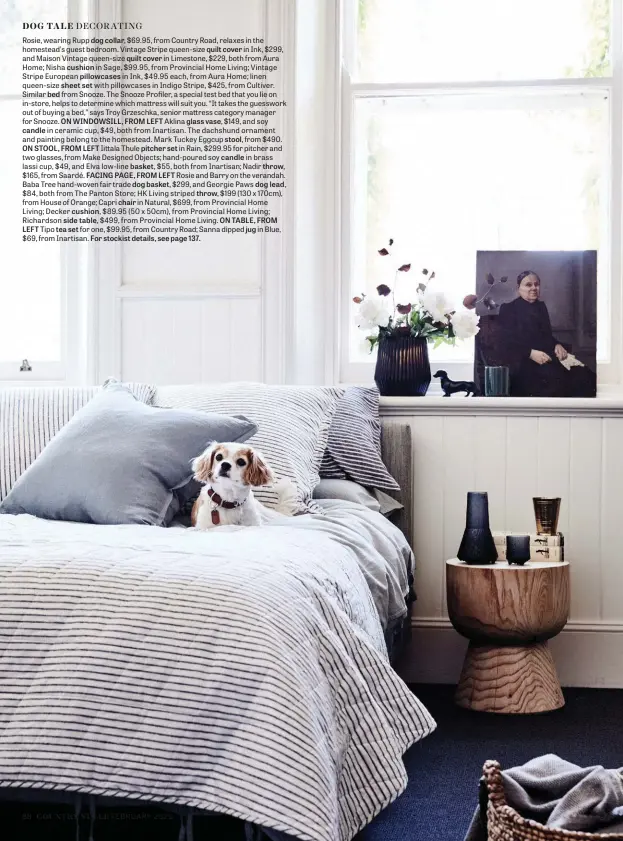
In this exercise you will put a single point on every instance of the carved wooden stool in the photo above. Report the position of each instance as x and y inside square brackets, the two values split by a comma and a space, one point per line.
[508, 612]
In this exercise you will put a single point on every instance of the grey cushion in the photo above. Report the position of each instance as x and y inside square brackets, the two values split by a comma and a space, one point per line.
[30, 416]
[354, 445]
[346, 490]
[118, 461]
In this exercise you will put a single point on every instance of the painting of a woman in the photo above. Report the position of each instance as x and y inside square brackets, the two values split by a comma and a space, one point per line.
[540, 365]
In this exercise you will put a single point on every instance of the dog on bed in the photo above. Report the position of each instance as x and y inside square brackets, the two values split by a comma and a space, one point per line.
[229, 472]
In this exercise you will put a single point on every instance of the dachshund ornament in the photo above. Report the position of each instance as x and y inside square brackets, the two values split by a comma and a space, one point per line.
[450, 387]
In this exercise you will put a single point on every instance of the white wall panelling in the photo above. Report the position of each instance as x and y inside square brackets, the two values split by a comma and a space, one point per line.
[193, 338]
[578, 457]
[611, 570]
[583, 513]
[429, 508]
[521, 472]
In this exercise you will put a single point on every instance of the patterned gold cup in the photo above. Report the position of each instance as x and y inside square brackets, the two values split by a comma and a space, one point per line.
[546, 511]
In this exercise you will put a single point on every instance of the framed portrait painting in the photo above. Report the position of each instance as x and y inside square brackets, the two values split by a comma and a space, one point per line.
[538, 317]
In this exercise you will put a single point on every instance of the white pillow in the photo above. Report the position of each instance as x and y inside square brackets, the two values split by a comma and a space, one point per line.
[293, 428]
[30, 416]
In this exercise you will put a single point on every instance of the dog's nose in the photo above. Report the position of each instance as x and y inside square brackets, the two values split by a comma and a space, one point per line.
[225, 467]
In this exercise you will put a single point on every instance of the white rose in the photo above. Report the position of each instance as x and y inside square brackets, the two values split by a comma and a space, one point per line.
[363, 346]
[465, 323]
[373, 312]
[435, 302]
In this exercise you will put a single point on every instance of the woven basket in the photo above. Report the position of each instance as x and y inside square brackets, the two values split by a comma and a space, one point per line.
[505, 824]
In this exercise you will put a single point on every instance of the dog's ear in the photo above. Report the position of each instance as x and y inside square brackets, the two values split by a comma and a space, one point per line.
[258, 473]
[203, 464]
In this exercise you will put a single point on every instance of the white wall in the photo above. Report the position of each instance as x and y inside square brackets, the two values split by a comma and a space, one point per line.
[577, 455]
[207, 311]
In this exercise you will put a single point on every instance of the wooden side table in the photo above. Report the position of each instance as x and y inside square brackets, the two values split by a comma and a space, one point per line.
[508, 613]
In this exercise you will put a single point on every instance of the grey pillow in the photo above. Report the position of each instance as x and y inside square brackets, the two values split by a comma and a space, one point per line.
[30, 416]
[354, 446]
[119, 461]
[346, 490]
[374, 499]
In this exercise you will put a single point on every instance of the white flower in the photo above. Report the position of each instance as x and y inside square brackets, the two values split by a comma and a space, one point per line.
[373, 312]
[363, 345]
[435, 302]
[465, 323]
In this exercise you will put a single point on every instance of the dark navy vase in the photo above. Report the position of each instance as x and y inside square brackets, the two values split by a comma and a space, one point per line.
[477, 546]
[402, 366]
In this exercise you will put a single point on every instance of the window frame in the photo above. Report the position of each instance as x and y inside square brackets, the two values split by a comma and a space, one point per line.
[610, 372]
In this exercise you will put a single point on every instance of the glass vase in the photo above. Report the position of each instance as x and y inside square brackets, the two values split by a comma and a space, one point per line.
[402, 366]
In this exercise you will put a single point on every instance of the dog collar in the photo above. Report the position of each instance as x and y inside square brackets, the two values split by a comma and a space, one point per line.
[218, 500]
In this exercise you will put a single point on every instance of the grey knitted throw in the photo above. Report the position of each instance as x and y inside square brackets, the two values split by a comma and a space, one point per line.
[561, 795]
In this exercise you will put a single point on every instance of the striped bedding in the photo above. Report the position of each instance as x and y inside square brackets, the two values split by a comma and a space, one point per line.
[354, 443]
[232, 671]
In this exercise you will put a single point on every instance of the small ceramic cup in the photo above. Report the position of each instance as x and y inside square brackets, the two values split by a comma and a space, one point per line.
[517, 548]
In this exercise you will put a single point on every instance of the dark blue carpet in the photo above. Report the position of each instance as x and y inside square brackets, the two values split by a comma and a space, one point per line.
[445, 768]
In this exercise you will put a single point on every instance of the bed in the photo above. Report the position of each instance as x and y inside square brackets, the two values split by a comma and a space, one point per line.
[242, 672]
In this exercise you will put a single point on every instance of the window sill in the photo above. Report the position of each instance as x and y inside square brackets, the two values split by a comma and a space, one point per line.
[608, 404]
[15, 383]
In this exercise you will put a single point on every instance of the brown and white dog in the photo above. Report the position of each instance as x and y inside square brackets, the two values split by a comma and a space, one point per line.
[229, 471]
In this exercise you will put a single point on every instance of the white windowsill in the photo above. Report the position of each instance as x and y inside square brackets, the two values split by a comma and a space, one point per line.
[608, 404]
[33, 383]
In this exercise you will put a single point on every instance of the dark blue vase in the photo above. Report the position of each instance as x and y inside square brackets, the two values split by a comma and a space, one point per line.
[477, 545]
[402, 366]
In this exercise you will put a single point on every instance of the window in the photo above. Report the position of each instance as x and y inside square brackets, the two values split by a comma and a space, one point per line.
[32, 280]
[481, 125]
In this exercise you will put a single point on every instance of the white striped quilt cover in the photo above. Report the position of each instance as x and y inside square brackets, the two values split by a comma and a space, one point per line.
[240, 671]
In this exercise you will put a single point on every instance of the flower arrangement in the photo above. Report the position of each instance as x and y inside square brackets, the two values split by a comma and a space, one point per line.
[428, 315]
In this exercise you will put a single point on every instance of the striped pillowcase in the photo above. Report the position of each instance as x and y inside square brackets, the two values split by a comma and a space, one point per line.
[293, 429]
[354, 447]
[31, 416]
